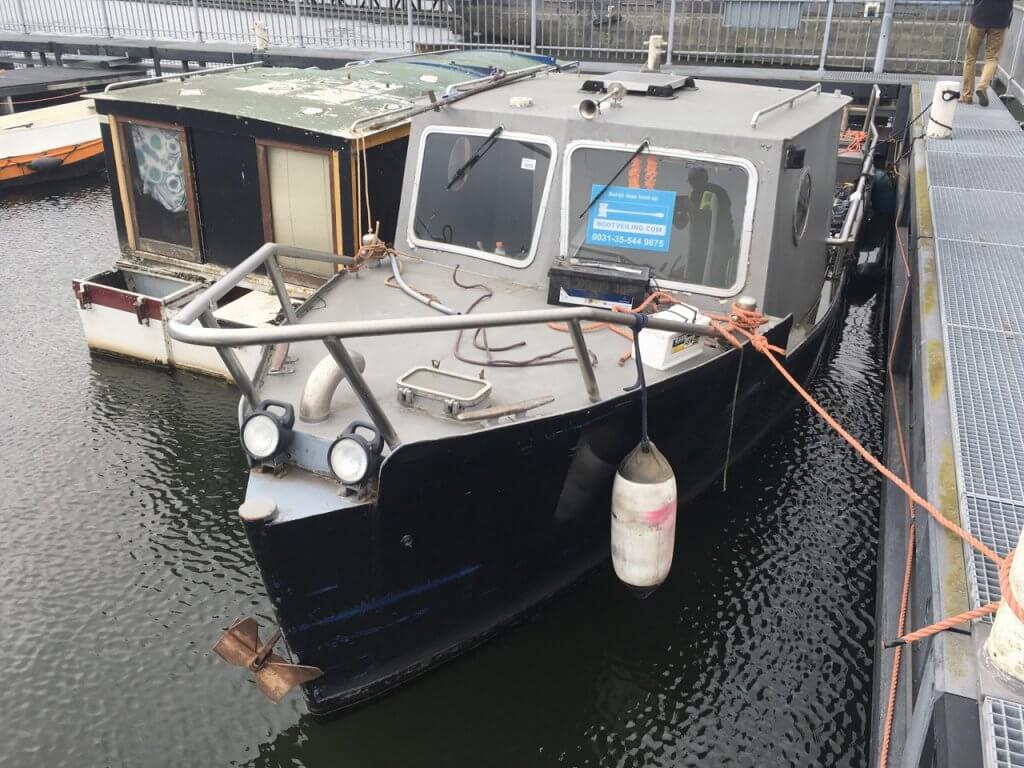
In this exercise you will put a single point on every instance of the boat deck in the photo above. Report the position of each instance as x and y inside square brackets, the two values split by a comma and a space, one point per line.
[367, 296]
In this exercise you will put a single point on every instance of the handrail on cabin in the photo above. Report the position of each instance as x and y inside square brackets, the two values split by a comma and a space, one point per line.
[179, 75]
[790, 100]
[855, 213]
[201, 307]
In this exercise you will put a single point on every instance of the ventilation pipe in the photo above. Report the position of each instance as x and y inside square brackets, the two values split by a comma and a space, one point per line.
[320, 387]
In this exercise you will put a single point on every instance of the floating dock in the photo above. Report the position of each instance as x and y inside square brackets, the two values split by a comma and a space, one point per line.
[959, 388]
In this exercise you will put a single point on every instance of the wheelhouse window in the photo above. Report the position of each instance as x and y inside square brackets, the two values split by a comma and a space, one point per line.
[481, 193]
[682, 216]
[158, 174]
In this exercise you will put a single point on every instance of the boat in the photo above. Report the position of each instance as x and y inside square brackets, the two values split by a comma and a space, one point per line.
[205, 166]
[48, 126]
[446, 453]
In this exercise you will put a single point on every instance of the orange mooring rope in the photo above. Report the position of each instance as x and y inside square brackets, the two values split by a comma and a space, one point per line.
[855, 140]
[746, 323]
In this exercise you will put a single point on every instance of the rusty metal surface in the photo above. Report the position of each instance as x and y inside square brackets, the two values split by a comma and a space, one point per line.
[240, 646]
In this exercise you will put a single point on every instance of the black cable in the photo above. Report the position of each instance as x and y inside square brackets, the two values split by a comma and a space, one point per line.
[639, 323]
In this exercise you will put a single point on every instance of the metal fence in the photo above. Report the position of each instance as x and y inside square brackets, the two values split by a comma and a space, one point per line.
[926, 36]
[1011, 60]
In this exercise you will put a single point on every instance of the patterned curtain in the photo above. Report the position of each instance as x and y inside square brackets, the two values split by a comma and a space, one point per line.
[161, 170]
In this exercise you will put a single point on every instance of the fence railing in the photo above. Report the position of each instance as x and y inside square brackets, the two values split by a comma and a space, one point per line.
[1011, 59]
[926, 35]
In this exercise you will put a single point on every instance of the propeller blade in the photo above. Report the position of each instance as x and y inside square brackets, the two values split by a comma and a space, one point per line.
[277, 677]
[238, 645]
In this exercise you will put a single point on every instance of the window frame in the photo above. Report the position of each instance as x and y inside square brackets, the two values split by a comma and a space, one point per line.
[747, 224]
[122, 127]
[534, 138]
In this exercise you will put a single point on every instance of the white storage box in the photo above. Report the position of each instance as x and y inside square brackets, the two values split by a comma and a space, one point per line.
[665, 349]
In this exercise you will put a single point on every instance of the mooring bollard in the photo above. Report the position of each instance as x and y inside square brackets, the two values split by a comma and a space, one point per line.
[1005, 644]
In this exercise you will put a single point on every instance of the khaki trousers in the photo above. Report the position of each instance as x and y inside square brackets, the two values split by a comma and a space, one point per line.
[993, 45]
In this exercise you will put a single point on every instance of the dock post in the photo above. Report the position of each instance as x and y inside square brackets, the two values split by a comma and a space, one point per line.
[823, 58]
[22, 19]
[532, 26]
[883, 36]
[298, 24]
[670, 38]
[105, 15]
[409, 27]
[1005, 644]
[197, 24]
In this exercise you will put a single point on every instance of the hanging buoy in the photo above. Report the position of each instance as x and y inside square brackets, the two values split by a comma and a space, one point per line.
[643, 519]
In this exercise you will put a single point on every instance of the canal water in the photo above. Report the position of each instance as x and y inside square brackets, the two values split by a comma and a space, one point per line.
[121, 560]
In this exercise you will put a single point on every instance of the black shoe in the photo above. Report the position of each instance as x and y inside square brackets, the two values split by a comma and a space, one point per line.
[982, 96]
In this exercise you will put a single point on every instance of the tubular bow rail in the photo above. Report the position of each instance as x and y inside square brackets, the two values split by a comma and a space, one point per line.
[855, 214]
[211, 334]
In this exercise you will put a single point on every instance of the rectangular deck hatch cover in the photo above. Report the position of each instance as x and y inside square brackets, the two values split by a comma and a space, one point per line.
[641, 82]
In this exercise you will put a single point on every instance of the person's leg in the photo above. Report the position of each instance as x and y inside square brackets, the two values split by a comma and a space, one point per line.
[993, 45]
[974, 38]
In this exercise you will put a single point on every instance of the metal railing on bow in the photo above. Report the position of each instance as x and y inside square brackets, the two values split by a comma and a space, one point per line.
[906, 35]
[209, 333]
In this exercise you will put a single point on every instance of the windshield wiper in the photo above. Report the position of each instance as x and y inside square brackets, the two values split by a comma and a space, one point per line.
[643, 145]
[484, 148]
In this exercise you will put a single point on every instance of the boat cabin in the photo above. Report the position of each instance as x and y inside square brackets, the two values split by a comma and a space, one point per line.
[700, 188]
[207, 166]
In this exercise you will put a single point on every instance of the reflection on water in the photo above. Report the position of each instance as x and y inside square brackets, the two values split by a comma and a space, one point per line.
[121, 561]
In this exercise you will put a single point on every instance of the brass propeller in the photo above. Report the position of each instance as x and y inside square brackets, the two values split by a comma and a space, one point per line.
[240, 645]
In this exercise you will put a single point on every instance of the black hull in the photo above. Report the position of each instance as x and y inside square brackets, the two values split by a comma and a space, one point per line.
[470, 533]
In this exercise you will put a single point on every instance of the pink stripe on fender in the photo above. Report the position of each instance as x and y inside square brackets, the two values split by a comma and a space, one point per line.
[659, 516]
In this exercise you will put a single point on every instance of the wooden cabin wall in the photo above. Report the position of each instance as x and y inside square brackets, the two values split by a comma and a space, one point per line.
[386, 165]
[228, 194]
[115, 188]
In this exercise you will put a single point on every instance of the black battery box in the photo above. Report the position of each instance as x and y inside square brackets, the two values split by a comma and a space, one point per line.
[597, 284]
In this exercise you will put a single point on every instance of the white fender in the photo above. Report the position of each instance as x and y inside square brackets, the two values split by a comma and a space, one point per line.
[643, 518]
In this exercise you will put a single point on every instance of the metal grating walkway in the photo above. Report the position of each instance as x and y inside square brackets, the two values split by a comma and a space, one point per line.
[1004, 721]
[976, 185]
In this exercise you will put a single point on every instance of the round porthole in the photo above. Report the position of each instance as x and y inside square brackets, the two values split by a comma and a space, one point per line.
[801, 207]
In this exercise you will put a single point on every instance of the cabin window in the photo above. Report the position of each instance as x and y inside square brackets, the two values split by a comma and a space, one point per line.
[298, 202]
[162, 208]
[481, 194]
[687, 217]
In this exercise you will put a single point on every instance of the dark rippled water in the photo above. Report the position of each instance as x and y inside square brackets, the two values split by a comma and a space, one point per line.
[121, 560]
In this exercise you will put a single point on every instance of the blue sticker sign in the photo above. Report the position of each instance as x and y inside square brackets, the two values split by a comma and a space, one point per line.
[625, 217]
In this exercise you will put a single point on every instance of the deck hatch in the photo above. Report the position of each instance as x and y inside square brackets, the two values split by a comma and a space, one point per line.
[455, 392]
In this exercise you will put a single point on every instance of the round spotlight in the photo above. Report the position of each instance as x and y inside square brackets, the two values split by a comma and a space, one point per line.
[349, 459]
[353, 457]
[264, 433]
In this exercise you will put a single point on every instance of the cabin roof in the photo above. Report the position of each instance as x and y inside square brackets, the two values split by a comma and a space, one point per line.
[718, 108]
[323, 101]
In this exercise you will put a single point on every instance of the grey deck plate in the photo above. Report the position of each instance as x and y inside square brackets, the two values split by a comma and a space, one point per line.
[982, 285]
[1003, 734]
[978, 215]
[987, 401]
[980, 141]
[998, 524]
[998, 174]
